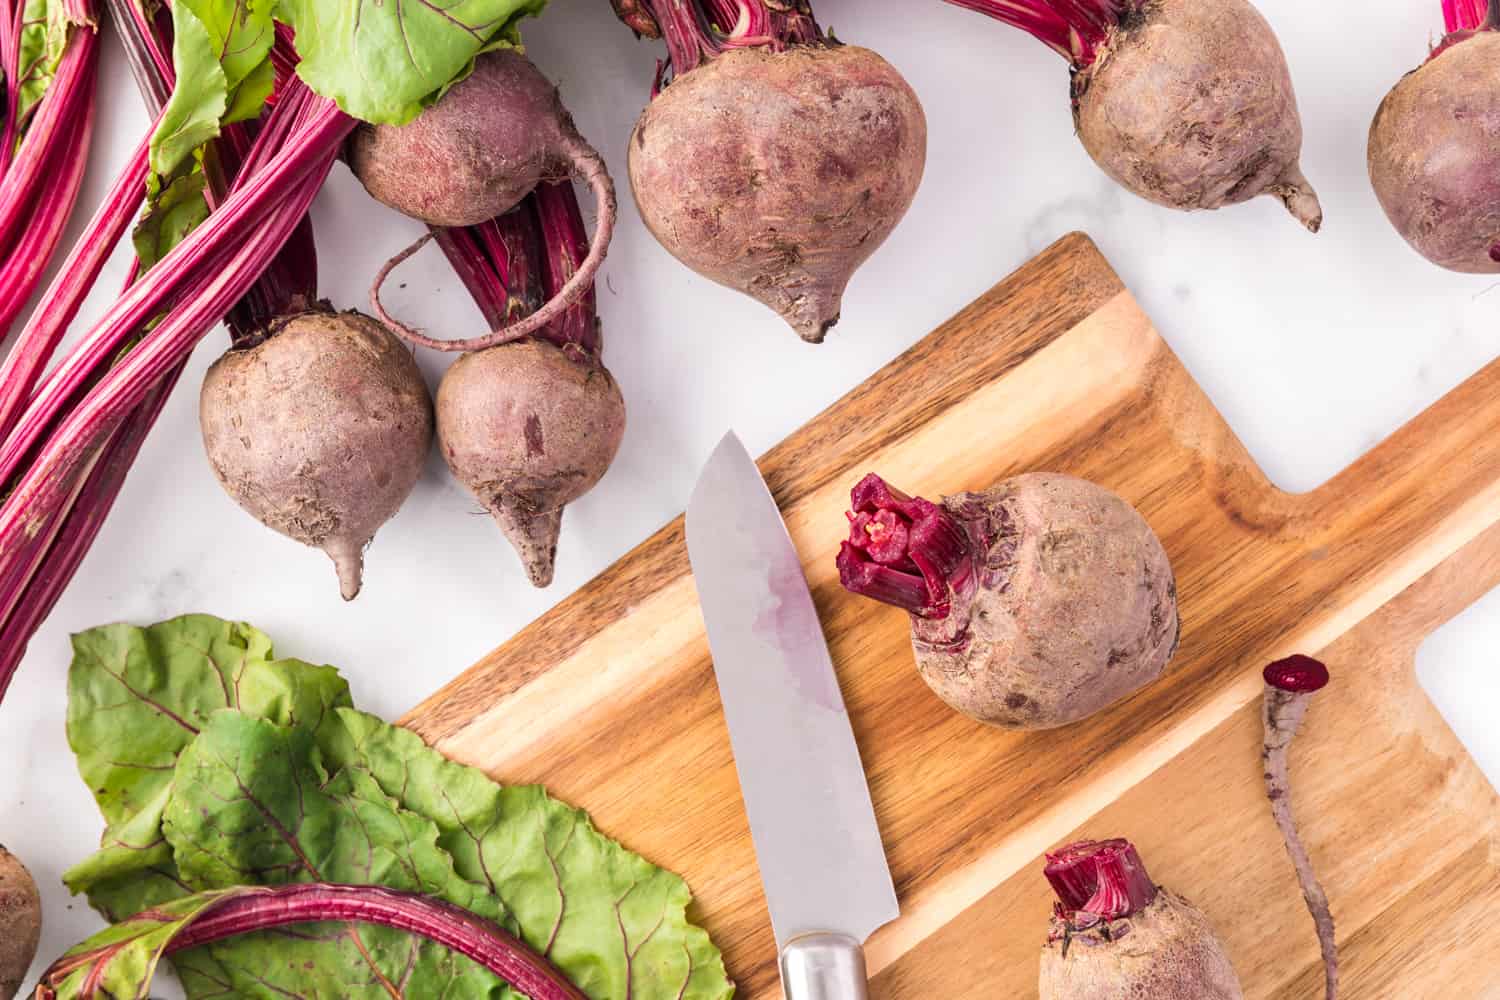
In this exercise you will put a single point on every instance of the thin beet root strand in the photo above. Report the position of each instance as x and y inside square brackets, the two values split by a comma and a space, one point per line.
[1033, 604]
[774, 161]
[473, 156]
[1290, 684]
[1187, 103]
[1114, 933]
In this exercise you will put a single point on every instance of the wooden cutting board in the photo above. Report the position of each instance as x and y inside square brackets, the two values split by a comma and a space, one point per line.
[610, 699]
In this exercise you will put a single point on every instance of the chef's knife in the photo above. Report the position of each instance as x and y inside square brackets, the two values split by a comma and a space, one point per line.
[821, 861]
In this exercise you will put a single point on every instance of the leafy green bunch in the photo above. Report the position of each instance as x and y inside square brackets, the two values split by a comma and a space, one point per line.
[217, 765]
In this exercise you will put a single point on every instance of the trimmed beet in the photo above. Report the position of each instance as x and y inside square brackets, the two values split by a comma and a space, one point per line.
[778, 174]
[1434, 153]
[1033, 604]
[320, 431]
[1187, 103]
[529, 429]
[1116, 935]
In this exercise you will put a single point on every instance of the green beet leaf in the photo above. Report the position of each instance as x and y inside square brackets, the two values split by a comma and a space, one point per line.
[136, 698]
[47, 26]
[216, 764]
[614, 922]
[383, 63]
[252, 804]
[121, 960]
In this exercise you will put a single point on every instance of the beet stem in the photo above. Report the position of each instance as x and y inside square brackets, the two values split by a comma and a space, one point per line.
[1101, 879]
[1290, 684]
[904, 551]
[1074, 29]
[246, 911]
[697, 31]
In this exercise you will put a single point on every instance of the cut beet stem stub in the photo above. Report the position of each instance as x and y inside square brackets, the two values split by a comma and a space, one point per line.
[902, 550]
[1104, 879]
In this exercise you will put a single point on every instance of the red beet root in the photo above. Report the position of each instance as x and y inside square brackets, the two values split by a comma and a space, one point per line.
[1289, 685]
[1188, 103]
[319, 432]
[1033, 604]
[1116, 935]
[1434, 150]
[475, 155]
[776, 161]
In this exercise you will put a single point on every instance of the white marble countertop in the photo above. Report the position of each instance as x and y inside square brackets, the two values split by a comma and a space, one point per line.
[1314, 349]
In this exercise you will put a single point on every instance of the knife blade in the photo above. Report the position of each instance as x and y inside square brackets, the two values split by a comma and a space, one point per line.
[811, 819]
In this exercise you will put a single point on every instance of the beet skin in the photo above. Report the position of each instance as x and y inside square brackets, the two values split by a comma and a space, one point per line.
[1189, 103]
[1033, 604]
[779, 173]
[478, 150]
[20, 923]
[320, 431]
[1434, 155]
[529, 429]
[1166, 951]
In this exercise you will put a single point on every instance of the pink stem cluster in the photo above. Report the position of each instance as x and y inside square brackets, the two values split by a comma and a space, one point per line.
[66, 439]
[43, 151]
[1098, 880]
[1074, 29]
[515, 262]
[1471, 15]
[698, 30]
[904, 551]
[265, 908]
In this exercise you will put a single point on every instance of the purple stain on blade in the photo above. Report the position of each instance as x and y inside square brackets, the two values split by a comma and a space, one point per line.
[792, 624]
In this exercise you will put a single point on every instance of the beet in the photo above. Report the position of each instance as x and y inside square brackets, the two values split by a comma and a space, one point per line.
[1116, 935]
[1033, 604]
[474, 155]
[1187, 103]
[778, 173]
[1434, 154]
[320, 431]
[476, 152]
[20, 923]
[528, 429]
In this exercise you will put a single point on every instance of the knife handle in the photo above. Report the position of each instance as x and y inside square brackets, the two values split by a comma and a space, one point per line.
[824, 967]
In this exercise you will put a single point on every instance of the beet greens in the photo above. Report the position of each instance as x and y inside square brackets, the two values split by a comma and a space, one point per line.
[245, 769]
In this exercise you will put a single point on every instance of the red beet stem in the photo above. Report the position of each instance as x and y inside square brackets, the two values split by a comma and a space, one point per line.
[1471, 15]
[1074, 29]
[903, 550]
[263, 908]
[1101, 878]
[1297, 674]
[698, 30]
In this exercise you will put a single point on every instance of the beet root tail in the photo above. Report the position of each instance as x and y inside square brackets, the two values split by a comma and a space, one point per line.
[349, 561]
[533, 536]
[1299, 198]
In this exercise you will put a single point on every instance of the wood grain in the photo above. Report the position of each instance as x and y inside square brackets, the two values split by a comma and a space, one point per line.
[609, 699]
